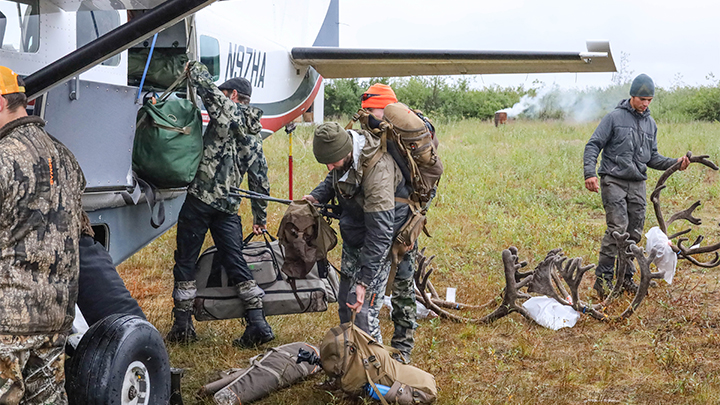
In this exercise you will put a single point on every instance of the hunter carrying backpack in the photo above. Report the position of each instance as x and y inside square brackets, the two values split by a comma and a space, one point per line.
[355, 359]
[410, 139]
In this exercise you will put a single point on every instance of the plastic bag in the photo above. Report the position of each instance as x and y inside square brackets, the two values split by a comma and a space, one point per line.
[549, 313]
[667, 259]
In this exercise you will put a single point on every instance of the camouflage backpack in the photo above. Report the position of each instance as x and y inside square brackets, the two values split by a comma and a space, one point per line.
[306, 238]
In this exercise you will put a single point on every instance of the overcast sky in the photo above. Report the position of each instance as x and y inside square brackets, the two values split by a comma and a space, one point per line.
[672, 41]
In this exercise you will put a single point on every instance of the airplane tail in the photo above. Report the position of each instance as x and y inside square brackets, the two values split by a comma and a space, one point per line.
[329, 34]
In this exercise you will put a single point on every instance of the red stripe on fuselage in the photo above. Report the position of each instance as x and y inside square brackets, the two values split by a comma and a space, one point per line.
[277, 122]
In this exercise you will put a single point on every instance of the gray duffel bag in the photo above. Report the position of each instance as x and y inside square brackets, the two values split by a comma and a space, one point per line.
[216, 299]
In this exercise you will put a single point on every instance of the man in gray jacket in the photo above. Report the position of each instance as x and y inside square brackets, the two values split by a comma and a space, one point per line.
[627, 137]
[366, 182]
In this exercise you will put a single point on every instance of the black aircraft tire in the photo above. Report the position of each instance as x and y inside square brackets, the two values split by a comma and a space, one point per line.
[119, 360]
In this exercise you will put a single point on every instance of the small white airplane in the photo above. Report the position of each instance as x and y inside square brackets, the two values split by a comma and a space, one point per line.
[83, 61]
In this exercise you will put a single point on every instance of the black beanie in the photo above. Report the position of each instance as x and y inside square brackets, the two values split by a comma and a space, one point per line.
[642, 86]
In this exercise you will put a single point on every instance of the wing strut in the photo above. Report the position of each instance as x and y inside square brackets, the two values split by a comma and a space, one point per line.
[110, 44]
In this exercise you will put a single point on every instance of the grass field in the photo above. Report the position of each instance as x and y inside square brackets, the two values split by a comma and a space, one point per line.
[517, 185]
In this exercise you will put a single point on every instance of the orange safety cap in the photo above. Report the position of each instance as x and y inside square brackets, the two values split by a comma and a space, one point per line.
[9, 82]
[378, 96]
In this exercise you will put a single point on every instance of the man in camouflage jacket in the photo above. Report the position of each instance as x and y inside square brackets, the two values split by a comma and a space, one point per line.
[366, 189]
[41, 185]
[229, 152]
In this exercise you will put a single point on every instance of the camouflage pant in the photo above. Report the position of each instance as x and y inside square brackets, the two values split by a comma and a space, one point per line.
[624, 203]
[31, 369]
[403, 298]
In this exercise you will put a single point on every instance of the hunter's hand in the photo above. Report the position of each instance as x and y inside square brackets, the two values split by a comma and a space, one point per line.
[310, 198]
[360, 294]
[685, 162]
[592, 184]
[259, 229]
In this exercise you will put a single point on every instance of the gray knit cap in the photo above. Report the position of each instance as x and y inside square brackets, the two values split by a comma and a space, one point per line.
[331, 143]
[642, 86]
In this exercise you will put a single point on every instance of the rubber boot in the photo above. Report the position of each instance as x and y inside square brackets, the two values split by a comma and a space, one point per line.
[182, 330]
[257, 332]
[604, 276]
[630, 286]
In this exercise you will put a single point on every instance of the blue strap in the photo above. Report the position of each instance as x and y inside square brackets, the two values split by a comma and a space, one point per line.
[147, 65]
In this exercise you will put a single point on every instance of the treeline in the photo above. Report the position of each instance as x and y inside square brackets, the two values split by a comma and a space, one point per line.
[442, 97]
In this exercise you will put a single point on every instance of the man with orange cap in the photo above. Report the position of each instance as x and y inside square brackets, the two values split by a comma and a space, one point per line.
[41, 185]
[376, 98]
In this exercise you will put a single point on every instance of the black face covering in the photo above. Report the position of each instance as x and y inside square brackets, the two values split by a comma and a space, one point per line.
[373, 122]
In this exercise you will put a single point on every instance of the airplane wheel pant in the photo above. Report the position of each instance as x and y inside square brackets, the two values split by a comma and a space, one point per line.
[107, 352]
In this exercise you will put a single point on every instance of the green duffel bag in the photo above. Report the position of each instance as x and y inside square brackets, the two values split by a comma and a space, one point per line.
[168, 141]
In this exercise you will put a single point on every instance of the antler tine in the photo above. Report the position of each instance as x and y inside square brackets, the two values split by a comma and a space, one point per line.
[687, 215]
[510, 259]
[646, 275]
[655, 198]
[702, 159]
[687, 254]
[623, 242]
[676, 234]
[542, 282]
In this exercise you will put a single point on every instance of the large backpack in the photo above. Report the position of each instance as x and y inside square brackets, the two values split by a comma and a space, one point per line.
[355, 360]
[409, 137]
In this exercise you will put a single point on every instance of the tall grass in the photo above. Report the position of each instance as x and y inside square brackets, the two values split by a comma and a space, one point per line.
[519, 184]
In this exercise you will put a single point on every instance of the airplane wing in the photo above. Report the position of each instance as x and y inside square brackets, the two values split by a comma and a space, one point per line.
[334, 63]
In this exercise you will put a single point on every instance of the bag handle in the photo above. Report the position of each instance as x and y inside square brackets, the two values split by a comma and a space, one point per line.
[268, 238]
[176, 83]
[151, 197]
[363, 355]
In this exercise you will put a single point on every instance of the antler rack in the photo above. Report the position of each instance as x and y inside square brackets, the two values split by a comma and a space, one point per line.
[683, 252]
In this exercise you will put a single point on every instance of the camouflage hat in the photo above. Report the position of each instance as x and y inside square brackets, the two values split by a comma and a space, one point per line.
[642, 86]
[9, 82]
[331, 143]
[241, 84]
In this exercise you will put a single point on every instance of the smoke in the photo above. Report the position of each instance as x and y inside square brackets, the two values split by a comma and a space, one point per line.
[567, 104]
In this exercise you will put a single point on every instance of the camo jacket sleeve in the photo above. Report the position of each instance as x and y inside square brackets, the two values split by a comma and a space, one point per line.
[218, 106]
[259, 183]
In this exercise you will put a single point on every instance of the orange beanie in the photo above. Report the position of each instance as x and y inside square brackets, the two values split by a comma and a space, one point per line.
[378, 96]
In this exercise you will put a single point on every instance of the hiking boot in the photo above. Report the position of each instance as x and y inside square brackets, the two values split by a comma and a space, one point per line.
[630, 286]
[603, 288]
[402, 357]
[257, 332]
[182, 330]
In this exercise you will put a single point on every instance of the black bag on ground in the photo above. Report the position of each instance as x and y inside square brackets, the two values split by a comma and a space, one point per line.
[217, 299]
[268, 372]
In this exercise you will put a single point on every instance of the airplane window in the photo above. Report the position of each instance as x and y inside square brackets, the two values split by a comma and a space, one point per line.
[92, 24]
[210, 55]
[20, 26]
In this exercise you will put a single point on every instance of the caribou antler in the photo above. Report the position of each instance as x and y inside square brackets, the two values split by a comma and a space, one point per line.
[695, 249]
[646, 275]
[512, 290]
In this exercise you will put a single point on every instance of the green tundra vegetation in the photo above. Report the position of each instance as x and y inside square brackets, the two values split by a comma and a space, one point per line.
[518, 184]
[455, 99]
